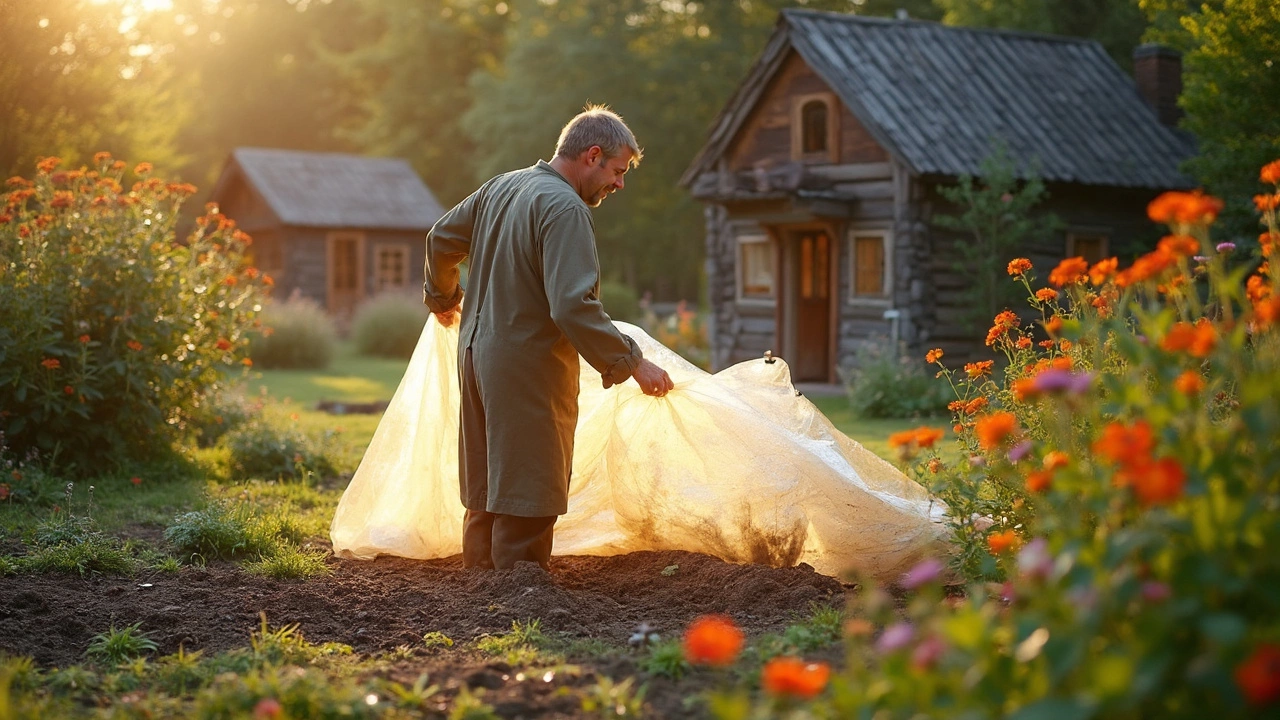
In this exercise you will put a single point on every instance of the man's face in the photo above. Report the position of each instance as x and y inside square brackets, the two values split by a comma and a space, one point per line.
[604, 175]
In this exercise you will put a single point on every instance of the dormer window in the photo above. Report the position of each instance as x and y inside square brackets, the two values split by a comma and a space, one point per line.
[814, 125]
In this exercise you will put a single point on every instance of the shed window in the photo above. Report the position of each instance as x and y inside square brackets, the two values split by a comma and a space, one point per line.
[755, 268]
[392, 267]
[1093, 247]
[813, 123]
[870, 257]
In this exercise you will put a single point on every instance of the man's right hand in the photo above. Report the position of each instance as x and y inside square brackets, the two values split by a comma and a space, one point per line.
[447, 318]
[652, 379]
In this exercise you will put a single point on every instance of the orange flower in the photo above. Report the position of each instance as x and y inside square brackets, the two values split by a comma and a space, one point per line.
[223, 344]
[229, 280]
[1039, 481]
[994, 429]
[246, 362]
[51, 363]
[1178, 246]
[142, 168]
[134, 345]
[1019, 266]
[979, 369]
[935, 465]
[712, 640]
[1004, 322]
[1122, 444]
[1267, 241]
[1002, 542]
[902, 439]
[251, 272]
[1046, 295]
[1159, 482]
[1024, 388]
[84, 339]
[927, 436]
[1053, 325]
[1198, 340]
[1023, 343]
[1189, 383]
[47, 165]
[1069, 272]
[1055, 459]
[933, 356]
[266, 279]
[1258, 677]
[787, 676]
[1184, 207]
[976, 404]
[101, 157]
[1270, 173]
[67, 389]
[1266, 202]
[62, 198]
[135, 480]
[1104, 269]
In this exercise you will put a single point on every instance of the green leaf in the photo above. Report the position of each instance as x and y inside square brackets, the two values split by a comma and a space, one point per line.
[1223, 628]
[1054, 709]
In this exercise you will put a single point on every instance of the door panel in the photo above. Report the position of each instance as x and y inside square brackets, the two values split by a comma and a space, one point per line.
[346, 272]
[812, 307]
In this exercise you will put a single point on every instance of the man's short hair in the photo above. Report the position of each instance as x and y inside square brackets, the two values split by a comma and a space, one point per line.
[598, 125]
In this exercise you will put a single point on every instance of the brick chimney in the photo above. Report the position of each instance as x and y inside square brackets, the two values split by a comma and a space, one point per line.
[1157, 70]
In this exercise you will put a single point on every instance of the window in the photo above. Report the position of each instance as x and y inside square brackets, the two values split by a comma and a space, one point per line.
[1091, 246]
[814, 128]
[755, 268]
[391, 267]
[871, 258]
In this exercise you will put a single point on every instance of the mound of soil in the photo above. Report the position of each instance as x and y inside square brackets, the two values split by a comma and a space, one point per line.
[381, 604]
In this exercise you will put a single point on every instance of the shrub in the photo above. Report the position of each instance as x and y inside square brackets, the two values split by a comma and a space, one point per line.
[883, 382]
[220, 532]
[1138, 504]
[297, 334]
[26, 480]
[261, 449]
[116, 646]
[290, 563]
[620, 301]
[389, 325]
[112, 330]
[221, 413]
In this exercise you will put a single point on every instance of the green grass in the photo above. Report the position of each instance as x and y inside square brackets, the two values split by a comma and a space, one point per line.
[349, 378]
[873, 434]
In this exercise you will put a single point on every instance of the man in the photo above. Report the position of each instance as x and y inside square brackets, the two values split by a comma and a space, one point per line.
[532, 308]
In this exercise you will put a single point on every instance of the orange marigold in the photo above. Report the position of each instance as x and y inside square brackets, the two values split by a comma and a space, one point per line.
[975, 405]
[51, 363]
[786, 676]
[1102, 270]
[1189, 383]
[84, 339]
[935, 465]
[1039, 481]
[994, 429]
[1178, 245]
[47, 165]
[1053, 325]
[1159, 482]
[979, 369]
[1258, 677]
[246, 362]
[223, 344]
[1267, 241]
[1002, 542]
[142, 168]
[1184, 207]
[1024, 388]
[1270, 173]
[902, 439]
[1069, 272]
[1266, 203]
[927, 436]
[933, 356]
[1023, 343]
[134, 345]
[712, 640]
[1019, 266]
[1046, 295]
[1198, 340]
[1125, 443]
[1055, 459]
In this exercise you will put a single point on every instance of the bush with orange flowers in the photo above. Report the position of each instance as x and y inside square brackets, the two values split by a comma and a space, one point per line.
[98, 295]
[1116, 520]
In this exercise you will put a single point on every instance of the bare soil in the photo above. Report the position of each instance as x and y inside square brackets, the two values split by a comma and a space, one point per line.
[378, 605]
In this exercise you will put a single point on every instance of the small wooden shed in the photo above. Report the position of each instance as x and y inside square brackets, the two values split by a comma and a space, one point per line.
[820, 175]
[334, 227]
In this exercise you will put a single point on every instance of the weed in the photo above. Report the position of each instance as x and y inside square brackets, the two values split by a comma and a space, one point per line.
[181, 672]
[95, 555]
[117, 646]
[608, 699]
[166, 564]
[72, 681]
[467, 706]
[286, 645]
[290, 563]
[21, 672]
[10, 565]
[822, 628]
[416, 697]
[523, 635]
[666, 659]
[434, 640]
[220, 531]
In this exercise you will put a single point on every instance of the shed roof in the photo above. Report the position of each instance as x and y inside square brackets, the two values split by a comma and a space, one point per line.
[314, 189]
[936, 97]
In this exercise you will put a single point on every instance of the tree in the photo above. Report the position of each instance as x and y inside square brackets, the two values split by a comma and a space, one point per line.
[1116, 24]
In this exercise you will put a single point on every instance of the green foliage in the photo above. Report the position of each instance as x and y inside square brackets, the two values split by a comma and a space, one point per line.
[998, 224]
[290, 563]
[113, 332]
[620, 301]
[275, 450]
[525, 635]
[1116, 24]
[883, 382]
[297, 334]
[414, 697]
[222, 531]
[609, 699]
[389, 325]
[286, 645]
[182, 672]
[283, 692]
[665, 658]
[469, 706]
[435, 640]
[220, 414]
[117, 646]
[25, 480]
[96, 554]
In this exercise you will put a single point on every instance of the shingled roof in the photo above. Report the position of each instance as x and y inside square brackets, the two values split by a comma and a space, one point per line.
[936, 97]
[313, 189]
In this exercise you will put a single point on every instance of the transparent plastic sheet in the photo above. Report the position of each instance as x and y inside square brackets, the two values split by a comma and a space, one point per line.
[734, 464]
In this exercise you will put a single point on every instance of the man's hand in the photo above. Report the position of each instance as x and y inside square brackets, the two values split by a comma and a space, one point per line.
[652, 379]
[447, 318]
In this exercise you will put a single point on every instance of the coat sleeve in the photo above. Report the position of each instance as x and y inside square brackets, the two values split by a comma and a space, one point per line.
[448, 244]
[571, 278]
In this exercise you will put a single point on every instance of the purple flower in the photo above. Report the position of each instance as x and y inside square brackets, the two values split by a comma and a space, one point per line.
[1226, 247]
[1019, 451]
[895, 637]
[1202, 259]
[926, 571]
[1034, 559]
[1156, 592]
[928, 652]
[1058, 380]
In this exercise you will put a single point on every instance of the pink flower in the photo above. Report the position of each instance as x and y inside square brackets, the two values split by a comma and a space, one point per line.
[926, 571]
[895, 637]
[928, 652]
[1156, 592]
[1019, 451]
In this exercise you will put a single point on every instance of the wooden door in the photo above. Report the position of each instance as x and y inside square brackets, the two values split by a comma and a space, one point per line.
[345, 272]
[812, 307]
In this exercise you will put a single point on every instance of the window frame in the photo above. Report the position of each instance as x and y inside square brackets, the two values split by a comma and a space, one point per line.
[753, 237]
[832, 153]
[406, 253]
[1084, 232]
[885, 298]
